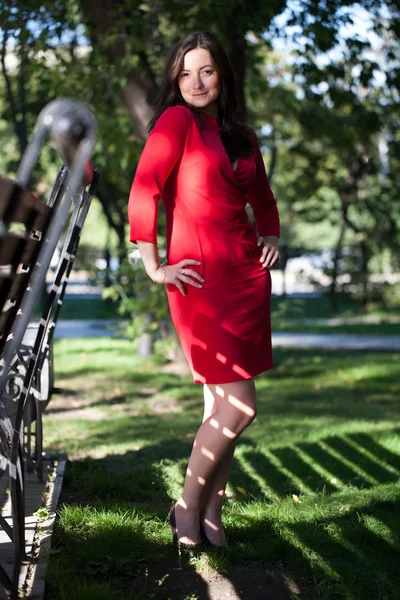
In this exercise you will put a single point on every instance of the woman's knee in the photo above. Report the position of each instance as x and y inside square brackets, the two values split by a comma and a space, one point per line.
[236, 405]
[210, 404]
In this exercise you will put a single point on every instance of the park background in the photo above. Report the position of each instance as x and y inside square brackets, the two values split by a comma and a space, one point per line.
[311, 501]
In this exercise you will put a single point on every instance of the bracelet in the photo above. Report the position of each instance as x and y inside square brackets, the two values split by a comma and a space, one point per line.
[165, 276]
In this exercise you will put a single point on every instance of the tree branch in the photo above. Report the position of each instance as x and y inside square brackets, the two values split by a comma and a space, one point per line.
[12, 104]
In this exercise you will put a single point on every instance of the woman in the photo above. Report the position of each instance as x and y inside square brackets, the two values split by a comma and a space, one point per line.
[206, 165]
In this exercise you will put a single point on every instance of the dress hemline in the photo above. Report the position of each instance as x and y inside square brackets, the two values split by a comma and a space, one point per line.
[219, 382]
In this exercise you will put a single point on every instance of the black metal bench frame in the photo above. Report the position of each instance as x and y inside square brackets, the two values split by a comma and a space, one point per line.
[72, 127]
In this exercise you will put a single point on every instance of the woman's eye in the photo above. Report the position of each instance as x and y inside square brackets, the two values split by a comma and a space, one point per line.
[208, 71]
[183, 74]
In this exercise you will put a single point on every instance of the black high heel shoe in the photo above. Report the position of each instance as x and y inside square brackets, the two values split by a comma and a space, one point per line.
[209, 544]
[175, 540]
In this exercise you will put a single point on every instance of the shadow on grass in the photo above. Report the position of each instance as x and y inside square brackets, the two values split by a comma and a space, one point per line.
[345, 555]
[112, 535]
[165, 427]
[342, 532]
[348, 552]
[115, 555]
[113, 528]
[110, 543]
[310, 467]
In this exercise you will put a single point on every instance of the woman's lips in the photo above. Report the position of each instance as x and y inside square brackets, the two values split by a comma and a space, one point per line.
[202, 94]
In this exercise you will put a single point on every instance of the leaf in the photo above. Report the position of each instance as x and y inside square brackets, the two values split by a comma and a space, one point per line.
[241, 490]
[42, 513]
[297, 499]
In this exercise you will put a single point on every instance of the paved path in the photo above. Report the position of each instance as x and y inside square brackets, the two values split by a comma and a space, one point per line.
[80, 328]
[337, 341]
[330, 341]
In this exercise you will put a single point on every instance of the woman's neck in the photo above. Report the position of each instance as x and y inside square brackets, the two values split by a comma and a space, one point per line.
[210, 111]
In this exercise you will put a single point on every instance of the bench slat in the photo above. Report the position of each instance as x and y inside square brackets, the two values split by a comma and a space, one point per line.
[29, 210]
[5, 286]
[17, 249]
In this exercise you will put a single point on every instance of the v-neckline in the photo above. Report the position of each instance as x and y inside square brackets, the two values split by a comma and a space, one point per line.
[234, 165]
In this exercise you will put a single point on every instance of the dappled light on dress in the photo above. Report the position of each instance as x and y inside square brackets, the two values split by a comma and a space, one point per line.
[213, 336]
[224, 326]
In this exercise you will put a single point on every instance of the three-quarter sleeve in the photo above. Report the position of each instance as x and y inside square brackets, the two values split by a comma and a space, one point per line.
[262, 200]
[161, 152]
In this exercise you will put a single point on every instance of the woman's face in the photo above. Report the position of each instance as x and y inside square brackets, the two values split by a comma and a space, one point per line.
[199, 82]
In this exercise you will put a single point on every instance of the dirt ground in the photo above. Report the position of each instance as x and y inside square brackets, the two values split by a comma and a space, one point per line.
[169, 581]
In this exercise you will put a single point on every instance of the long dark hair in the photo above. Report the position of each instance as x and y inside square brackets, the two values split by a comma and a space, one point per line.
[236, 136]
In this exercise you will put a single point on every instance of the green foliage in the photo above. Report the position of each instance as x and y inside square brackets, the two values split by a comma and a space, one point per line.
[144, 301]
[329, 103]
[383, 295]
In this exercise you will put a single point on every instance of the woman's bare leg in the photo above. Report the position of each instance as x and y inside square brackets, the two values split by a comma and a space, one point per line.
[235, 409]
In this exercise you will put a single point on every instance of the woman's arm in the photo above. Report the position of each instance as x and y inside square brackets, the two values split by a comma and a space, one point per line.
[149, 255]
[175, 274]
[262, 201]
[265, 210]
[162, 150]
[160, 154]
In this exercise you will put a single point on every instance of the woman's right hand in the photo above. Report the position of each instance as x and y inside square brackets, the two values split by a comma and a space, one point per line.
[179, 273]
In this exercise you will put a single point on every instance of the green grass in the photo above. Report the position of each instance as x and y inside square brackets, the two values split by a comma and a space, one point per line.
[314, 489]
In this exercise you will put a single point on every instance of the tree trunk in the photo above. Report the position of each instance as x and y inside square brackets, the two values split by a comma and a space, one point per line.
[107, 21]
[364, 273]
[336, 257]
[146, 344]
[284, 254]
[238, 58]
[136, 93]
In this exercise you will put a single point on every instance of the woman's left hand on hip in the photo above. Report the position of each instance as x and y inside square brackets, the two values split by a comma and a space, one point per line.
[270, 250]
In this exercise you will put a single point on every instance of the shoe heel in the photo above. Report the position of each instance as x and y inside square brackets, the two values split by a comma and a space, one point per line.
[172, 524]
[188, 549]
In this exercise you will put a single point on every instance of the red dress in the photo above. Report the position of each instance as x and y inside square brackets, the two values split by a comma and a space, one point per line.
[224, 327]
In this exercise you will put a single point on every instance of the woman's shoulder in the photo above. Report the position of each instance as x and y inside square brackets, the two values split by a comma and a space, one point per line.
[175, 116]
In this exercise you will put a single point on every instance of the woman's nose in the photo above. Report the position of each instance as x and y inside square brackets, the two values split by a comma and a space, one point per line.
[197, 83]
